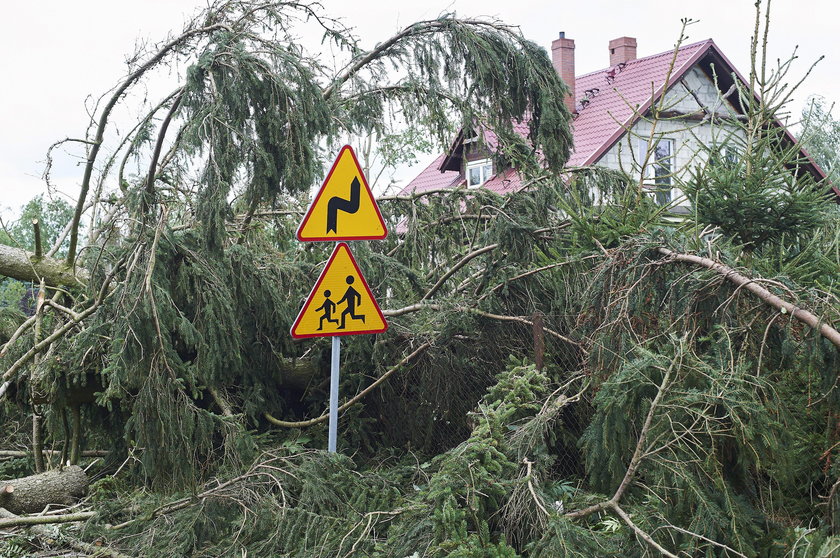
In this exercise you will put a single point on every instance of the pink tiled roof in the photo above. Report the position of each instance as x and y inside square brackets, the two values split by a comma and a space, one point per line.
[618, 95]
[431, 178]
[505, 182]
[622, 93]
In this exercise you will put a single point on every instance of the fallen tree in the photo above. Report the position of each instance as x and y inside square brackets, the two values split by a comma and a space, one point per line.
[464, 436]
[26, 266]
[60, 487]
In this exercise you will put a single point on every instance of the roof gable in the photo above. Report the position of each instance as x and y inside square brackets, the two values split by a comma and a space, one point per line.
[612, 99]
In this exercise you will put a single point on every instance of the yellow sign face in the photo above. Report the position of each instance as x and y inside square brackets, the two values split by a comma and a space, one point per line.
[344, 208]
[340, 302]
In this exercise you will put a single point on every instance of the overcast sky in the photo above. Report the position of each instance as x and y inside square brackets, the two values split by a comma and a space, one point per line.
[56, 53]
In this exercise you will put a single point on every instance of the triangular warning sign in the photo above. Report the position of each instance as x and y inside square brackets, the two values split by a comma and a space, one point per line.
[340, 302]
[344, 208]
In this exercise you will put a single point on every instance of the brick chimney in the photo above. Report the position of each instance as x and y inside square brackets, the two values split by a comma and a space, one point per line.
[563, 57]
[622, 50]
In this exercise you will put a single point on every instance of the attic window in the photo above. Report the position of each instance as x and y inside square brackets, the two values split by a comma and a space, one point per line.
[659, 171]
[479, 172]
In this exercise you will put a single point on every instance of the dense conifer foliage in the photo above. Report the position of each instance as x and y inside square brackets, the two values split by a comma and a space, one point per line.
[562, 375]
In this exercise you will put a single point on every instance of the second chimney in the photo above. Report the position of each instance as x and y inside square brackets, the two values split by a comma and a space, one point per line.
[622, 50]
[563, 58]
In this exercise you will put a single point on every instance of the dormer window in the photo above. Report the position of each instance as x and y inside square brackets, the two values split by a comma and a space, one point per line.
[479, 172]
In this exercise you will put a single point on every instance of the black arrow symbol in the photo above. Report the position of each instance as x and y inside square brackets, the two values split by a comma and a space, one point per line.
[337, 204]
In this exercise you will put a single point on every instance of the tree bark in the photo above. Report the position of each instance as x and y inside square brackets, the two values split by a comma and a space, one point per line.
[23, 265]
[34, 493]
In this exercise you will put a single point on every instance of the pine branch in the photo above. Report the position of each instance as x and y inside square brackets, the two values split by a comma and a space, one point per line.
[535, 271]
[638, 455]
[784, 306]
[639, 532]
[461, 263]
[96, 144]
[381, 49]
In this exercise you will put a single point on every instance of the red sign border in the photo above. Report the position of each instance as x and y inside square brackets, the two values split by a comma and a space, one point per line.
[315, 289]
[318, 198]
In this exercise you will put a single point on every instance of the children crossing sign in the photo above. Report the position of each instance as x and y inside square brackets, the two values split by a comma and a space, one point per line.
[340, 302]
[344, 208]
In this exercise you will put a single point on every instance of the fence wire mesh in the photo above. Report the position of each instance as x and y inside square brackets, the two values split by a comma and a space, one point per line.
[429, 406]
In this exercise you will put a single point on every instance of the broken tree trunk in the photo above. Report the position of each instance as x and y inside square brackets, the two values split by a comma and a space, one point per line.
[37, 525]
[34, 493]
[25, 266]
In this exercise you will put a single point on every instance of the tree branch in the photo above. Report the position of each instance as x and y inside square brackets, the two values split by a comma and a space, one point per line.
[59, 332]
[164, 126]
[96, 144]
[463, 261]
[639, 533]
[24, 266]
[733, 276]
[638, 455]
[8, 519]
[419, 28]
[355, 399]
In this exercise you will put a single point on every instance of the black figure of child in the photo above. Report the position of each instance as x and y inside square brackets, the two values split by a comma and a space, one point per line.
[328, 307]
[352, 298]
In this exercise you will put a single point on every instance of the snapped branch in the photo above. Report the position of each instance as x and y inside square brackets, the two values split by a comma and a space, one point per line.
[742, 281]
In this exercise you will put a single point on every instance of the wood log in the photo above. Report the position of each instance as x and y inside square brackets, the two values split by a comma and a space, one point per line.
[34, 493]
[37, 525]
[23, 265]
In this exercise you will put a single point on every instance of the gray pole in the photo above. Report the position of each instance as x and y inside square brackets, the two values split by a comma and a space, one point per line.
[333, 430]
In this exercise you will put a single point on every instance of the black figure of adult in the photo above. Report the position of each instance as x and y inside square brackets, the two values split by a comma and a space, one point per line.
[352, 298]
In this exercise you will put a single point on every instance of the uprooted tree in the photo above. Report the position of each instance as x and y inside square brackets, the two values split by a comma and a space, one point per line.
[547, 387]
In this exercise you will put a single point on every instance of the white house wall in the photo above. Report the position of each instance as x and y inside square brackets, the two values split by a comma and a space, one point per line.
[688, 135]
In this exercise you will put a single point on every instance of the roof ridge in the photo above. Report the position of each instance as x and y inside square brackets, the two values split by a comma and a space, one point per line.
[648, 57]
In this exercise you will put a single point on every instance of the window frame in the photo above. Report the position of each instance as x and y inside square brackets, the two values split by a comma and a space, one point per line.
[659, 171]
[485, 171]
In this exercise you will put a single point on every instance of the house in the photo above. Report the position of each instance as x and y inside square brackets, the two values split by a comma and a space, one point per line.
[692, 88]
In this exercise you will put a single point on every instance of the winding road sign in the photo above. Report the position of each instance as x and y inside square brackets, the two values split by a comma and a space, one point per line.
[344, 208]
[340, 302]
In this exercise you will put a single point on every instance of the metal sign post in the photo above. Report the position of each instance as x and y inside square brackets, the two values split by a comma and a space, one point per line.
[333, 429]
[341, 302]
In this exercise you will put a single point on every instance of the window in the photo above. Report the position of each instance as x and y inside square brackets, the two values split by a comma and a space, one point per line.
[725, 155]
[479, 172]
[660, 168]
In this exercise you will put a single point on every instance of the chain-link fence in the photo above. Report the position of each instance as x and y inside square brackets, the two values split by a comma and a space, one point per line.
[429, 406]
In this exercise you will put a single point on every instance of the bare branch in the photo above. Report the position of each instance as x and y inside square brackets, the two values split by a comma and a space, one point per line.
[353, 400]
[784, 306]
